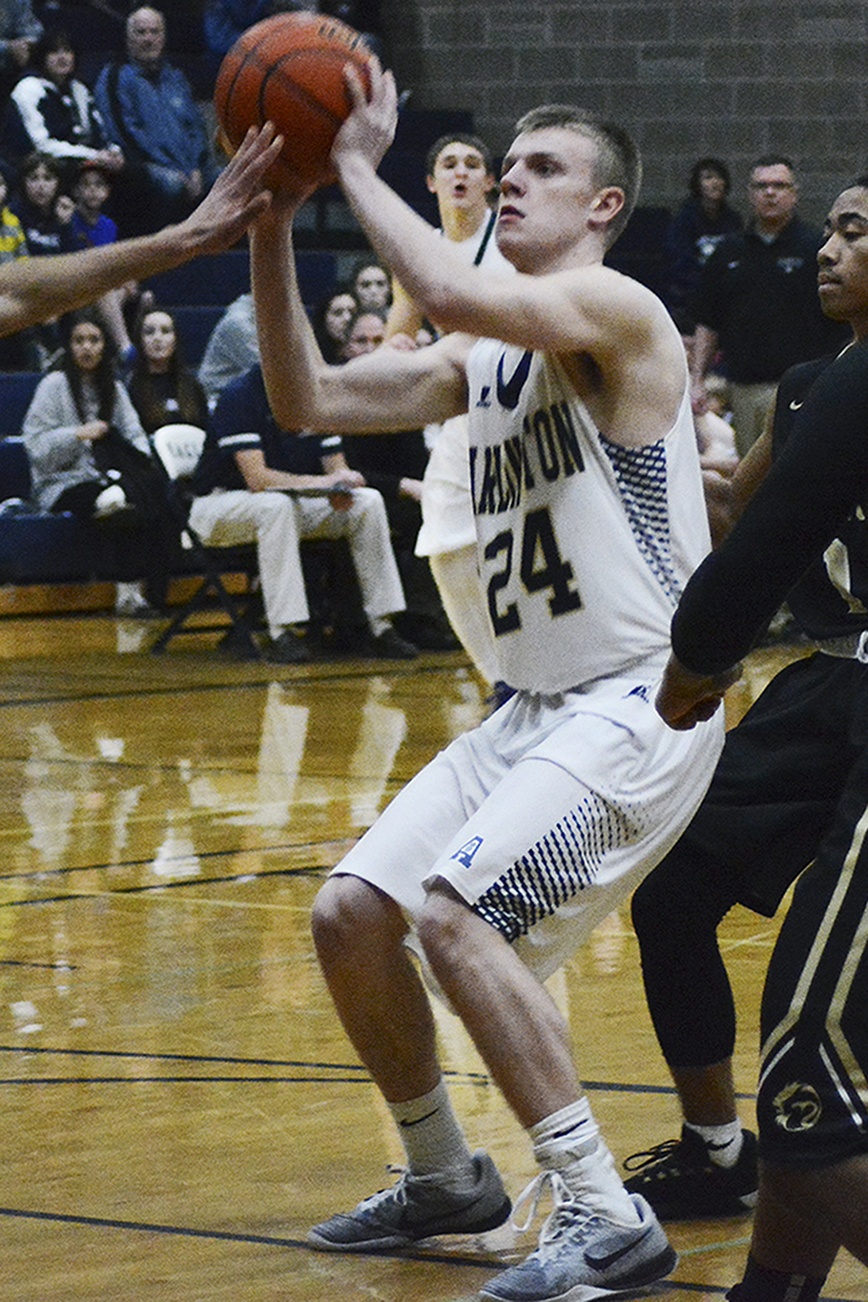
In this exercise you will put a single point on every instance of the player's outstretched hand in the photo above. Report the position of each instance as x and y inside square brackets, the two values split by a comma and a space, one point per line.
[370, 128]
[238, 195]
[685, 699]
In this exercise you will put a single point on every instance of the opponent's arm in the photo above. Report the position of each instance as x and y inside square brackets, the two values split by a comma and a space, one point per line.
[34, 289]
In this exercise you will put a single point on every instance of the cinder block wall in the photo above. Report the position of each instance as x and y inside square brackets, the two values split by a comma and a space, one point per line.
[687, 77]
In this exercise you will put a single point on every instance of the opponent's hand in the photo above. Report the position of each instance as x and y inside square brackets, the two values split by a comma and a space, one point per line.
[685, 699]
[370, 128]
[238, 196]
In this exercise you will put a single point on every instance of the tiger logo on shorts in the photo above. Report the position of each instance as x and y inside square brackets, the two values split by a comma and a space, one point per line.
[797, 1107]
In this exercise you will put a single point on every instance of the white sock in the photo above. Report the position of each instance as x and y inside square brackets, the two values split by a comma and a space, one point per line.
[569, 1142]
[723, 1142]
[432, 1138]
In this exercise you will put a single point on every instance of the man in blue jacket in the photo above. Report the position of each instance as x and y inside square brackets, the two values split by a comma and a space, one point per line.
[148, 107]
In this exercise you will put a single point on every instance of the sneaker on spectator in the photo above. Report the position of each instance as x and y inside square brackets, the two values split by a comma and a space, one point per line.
[681, 1182]
[289, 648]
[417, 1207]
[580, 1249]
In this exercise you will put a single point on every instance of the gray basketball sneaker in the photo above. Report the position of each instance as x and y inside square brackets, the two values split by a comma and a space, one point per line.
[417, 1207]
[580, 1251]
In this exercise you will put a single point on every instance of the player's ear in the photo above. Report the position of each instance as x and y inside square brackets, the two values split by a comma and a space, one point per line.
[606, 204]
[429, 181]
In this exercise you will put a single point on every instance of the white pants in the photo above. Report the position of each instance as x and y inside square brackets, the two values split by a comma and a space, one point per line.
[277, 523]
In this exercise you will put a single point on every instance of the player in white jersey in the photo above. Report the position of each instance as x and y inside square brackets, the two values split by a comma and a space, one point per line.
[459, 171]
[503, 852]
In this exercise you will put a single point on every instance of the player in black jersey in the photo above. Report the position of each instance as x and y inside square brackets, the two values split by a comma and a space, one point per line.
[791, 790]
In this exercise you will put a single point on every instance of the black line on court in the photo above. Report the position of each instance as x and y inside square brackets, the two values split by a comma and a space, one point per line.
[276, 1241]
[231, 852]
[116, 892]
[337, 674]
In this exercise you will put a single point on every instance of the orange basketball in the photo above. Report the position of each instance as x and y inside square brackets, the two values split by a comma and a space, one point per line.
[289, 70]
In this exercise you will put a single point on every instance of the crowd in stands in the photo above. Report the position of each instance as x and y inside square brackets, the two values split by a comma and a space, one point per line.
[85, 164]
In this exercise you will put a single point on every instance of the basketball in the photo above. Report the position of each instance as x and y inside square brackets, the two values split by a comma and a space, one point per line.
[289, 70]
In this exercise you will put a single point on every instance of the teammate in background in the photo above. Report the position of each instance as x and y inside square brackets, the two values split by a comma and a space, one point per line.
[500, 857]
[460, 172]
[791, 790]
[33, 289]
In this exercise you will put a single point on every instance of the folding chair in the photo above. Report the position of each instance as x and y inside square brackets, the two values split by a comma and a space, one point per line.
[177, 449]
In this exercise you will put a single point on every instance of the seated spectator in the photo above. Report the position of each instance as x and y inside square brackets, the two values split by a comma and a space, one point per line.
[163, 390]
[52, 113]
[331, 320]
[18, 351]
[20, 29]
[148, 108]
[394, 464]
[695, 232]
[231, 350]
[91, 227]
[223, 21]
[45, 213]
[242, 484]
[371, 285]
[89, 455]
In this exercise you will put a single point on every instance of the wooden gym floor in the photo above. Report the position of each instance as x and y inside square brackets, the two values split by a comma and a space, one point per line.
[179, 1102]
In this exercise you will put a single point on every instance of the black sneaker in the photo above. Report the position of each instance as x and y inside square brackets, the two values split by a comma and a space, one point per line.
[390, 646]
[288, 649]
[680, 1181]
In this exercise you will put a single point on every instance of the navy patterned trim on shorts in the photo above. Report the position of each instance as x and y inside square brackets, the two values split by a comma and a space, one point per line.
[565, 861]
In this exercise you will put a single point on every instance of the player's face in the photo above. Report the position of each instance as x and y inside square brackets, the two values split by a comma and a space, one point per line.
[460, 178]
[843, 261]
[548, 198]
[86, 343]
[158, 339]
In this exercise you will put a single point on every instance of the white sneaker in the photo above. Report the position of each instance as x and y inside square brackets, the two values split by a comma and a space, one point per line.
[110, 501]
[581, 1252]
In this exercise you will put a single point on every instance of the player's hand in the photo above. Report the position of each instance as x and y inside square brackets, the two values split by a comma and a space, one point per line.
[370, 128]
[685, 699]
[239, 194]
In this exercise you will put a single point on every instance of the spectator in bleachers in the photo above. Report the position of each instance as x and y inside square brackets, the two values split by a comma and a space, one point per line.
[51, 112]
[394, 464]
[91, 227]
[164, 391]
[45, 214]
[232, 348]
[242, 483]
[89, 455]
[223, 21]
[371, 285]
[148, 108]
[695, 232]
[757, 302]
[20, 29]
[331, 322]
[17, 352]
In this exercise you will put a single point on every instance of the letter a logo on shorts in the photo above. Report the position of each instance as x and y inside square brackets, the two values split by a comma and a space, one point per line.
[466, 854]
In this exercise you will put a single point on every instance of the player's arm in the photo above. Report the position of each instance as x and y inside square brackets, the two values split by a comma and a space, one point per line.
[383, 391]
[592, 310]
[34, 289]
[404, 317]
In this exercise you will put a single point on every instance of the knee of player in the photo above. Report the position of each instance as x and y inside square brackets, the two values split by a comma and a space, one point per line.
[348, 914]
[442, 928]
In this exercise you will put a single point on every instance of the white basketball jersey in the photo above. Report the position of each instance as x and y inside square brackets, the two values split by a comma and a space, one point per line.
[584, 546]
